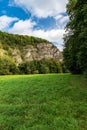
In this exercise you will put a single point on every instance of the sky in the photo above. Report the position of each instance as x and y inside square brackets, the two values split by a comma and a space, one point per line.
[40, 18]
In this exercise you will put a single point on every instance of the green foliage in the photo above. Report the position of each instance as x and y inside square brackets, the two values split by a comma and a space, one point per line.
[43, 66]
[15, 47]
[43, 102]
[7, 66]
[64, 68]
[50, 66]
[27, 67]
[75, 51]
[19, 40]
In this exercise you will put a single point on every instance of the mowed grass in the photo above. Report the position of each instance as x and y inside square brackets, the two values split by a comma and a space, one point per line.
[43, 102]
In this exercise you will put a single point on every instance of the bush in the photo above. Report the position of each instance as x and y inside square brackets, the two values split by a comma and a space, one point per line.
[27, 68]
[7, 66]
[43, 67]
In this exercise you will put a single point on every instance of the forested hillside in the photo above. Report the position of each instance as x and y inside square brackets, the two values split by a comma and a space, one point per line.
[26, 54]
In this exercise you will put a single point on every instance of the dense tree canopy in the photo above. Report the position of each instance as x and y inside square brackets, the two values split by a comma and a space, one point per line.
[43, 66]
[19, 40]
[75, 50]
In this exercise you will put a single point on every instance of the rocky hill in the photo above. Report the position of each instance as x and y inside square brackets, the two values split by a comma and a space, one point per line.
[27, 48]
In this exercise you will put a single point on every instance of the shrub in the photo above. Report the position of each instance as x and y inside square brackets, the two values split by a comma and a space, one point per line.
[43, 66]
[7, 66]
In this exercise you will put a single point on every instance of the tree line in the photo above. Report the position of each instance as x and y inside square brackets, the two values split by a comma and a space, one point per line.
[44, 66]
[75, 48]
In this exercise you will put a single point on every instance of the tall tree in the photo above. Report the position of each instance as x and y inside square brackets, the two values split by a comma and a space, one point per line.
[75, 50]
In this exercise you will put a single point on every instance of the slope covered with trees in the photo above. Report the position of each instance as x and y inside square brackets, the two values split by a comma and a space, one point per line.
[75, 51]
[28, 55]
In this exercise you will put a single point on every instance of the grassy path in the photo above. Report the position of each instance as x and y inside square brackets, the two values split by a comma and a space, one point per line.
[43, 102]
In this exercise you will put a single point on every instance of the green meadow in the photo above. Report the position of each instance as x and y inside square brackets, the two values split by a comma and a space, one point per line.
[43, 102]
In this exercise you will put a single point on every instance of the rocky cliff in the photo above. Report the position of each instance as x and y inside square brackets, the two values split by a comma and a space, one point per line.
[24, 48]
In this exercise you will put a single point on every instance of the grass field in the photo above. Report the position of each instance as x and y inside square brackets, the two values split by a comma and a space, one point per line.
[43, 102]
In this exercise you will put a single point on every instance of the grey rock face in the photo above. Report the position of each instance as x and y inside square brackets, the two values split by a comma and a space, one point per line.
[42, 50]
[30, 52]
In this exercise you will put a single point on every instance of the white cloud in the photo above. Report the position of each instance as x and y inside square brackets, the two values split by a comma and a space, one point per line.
[26, 28]
[42, 8]
[54, 35]
[64, 19]
[61, 20]
[5, 22]
[22, 26]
